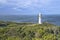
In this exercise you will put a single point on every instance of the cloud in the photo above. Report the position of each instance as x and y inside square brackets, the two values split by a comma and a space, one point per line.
[25, 3]
[3, 1]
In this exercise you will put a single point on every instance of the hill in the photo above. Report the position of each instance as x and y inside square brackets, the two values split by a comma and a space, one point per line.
[28, 31]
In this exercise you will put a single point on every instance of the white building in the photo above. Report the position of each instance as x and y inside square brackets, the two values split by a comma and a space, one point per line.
[39, 21]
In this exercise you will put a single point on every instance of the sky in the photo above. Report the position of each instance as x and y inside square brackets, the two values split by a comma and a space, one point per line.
[29, 7]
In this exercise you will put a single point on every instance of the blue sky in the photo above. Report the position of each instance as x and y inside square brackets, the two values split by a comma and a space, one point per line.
[29, 7]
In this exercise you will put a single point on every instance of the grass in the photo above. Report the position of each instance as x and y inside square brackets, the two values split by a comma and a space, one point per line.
[28, 31]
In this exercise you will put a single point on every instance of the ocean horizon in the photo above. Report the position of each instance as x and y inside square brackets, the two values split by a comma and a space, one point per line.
[53, 19]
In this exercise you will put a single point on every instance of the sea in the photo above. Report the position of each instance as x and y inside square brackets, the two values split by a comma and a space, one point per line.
[53, 19]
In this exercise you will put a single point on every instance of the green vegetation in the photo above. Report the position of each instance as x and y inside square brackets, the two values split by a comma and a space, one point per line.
[28, 31]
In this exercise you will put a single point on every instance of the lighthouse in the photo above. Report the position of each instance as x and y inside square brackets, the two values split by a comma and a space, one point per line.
[39, 21]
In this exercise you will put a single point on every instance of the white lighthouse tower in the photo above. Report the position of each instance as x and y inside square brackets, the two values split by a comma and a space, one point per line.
[39, 21]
